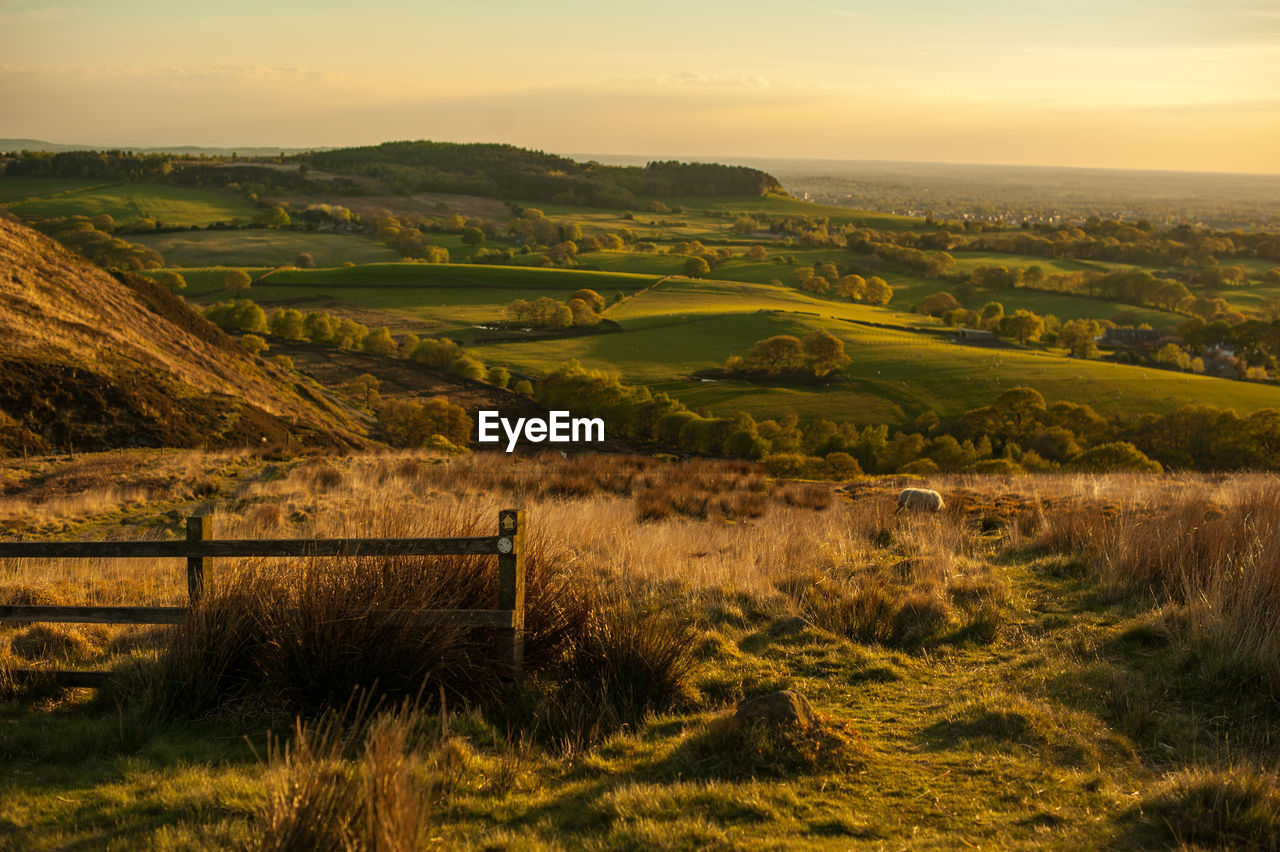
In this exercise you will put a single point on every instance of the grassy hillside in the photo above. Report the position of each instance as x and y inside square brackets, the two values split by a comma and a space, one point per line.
[15, 189]
[450, 297]
[262, 248]
[94, 360]
[127, 203]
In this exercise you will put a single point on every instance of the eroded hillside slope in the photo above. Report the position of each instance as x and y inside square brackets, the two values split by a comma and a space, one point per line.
[90, 360]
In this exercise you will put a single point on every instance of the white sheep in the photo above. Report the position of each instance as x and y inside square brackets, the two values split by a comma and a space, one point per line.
[920, 499]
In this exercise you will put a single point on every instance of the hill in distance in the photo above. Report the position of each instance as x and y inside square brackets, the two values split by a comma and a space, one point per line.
[192, 150]
[93, 361]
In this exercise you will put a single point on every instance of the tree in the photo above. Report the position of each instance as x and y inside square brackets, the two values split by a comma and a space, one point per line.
[380, 342]
[937, 304]
[816, 284]
[305, 261]
[470, 367]
[408, 423]
[1024, 325]
[991, 314]
[524, 387]
[696, 267]
[1115, 456]
[1170, 294]
[473, 237]
[318, 327]
[237, 281]
[823, 352]
[756, 253]
[778, 354]
[591, 297]
[276, 217]
[582, 313]
[878, 291]
[1172, 355]
[1077, 337]
[561, 317]
[254, 344]
[172, 280]
[288, 324]
[364, 388]
[852, 287]
[349, 333]
[499, 376]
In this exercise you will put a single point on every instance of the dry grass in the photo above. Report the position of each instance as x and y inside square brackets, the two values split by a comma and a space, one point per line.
[1209, 545]
[849, 564]
[354, 783]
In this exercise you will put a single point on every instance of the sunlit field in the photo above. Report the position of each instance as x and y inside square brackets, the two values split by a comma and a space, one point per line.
[1080, 671]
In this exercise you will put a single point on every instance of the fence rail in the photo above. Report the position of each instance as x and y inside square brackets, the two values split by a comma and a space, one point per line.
[199, 548]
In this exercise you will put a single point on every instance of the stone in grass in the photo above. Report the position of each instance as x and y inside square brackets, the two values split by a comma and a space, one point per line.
[784, 710]
[779, 734]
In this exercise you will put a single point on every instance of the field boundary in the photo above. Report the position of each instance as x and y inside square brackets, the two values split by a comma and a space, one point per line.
[199, 548]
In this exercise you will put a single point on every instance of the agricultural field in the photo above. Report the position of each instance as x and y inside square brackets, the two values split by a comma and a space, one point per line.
[17, 189]
[416, 296]
[127, 203]
[672, 332]
[990, 698]
[262, 248]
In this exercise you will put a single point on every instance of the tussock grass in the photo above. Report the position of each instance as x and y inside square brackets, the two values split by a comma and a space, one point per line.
[352, 782]
[306, 635]
[1238, 807]
[625, 661]
[724, 747]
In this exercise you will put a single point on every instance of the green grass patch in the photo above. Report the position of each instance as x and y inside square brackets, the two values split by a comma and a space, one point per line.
[127, 203]
[15, 189]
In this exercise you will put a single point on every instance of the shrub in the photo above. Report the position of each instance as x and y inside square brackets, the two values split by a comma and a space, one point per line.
[253, 344]
[499, 377]
[409, 423]
[1115, 457]
[625, 661]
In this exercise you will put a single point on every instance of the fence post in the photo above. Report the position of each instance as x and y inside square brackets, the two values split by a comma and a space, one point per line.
[511, 524]
[198, 529]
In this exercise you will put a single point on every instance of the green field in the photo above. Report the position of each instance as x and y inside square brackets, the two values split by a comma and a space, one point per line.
[14, 189]
[263, 248]
[127, 203]
[684, 327]
[435, 297]
[696, 224]
[908, 290]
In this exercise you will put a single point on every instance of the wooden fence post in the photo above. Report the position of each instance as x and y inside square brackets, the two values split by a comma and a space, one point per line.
[511, 524]
[198, 529]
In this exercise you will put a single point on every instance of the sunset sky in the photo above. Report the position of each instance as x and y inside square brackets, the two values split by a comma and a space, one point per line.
[1168, 84]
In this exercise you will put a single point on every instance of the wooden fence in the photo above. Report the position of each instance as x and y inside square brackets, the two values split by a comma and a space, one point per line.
[200, 548]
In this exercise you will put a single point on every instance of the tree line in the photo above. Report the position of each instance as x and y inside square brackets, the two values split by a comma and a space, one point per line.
[1019, 432]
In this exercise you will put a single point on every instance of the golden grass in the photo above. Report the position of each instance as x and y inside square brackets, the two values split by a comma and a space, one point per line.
[849, 563]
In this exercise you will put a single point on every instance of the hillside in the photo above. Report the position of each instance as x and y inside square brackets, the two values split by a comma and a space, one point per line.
[89, 361]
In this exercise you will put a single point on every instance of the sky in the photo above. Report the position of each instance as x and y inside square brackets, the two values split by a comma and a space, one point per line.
[1158, 84]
